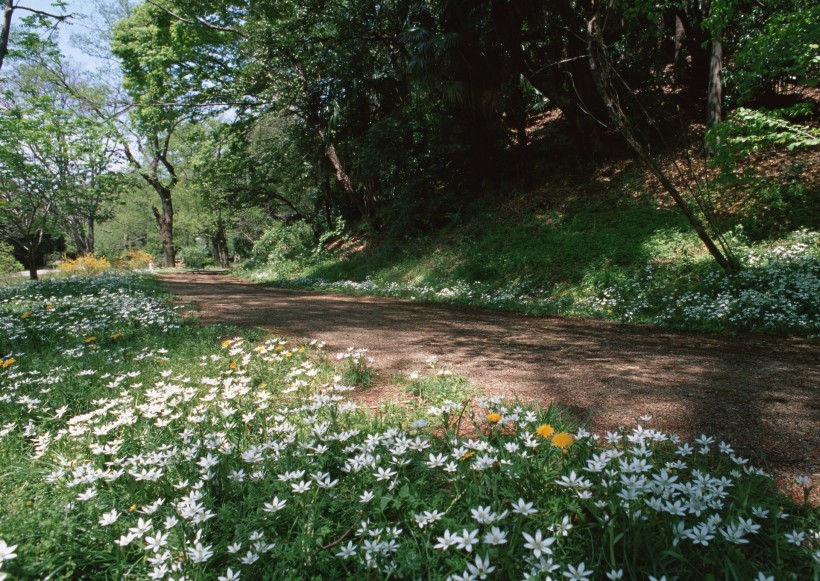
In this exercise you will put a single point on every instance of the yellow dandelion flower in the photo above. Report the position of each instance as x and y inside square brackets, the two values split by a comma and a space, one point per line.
[278, 348]
[26, 315]
[467, 456]
[90, 339]
[233, 364]
[264, 385]
[226, 342]
[545, 430]
[117, 336]
[288, 354]
[259, 349]
[301, 349]
[8, 362]
[132, 508]
[562, 440]
[49, 307]
[494, 418]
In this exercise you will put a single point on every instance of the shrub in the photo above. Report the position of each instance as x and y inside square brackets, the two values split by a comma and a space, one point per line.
[196, 256]
[282, 242]
[134, 259]
[85, 265]
[7, 261]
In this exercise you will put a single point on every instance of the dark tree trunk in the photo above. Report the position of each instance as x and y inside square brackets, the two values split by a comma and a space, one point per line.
[4, 31]
[31, 253]
[165, 221]
[714, 96]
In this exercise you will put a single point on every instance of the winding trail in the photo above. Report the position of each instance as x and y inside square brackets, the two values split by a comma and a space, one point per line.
[756, 392]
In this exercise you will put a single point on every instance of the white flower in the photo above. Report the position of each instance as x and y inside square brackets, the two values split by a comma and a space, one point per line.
[275, 505]
[7, 552]
[538, 544]
[200, 553]
[485, 515]
[467, 539]
[142, 527]
[482, 567]
[249, 558]
[796, 538]
[523, 508]
[615, 574]
[229, 576]
[446, 541]
[300, 487]
[347, 551]
[157, 542]
[109, 518]
[88, 494]
[495, 537]
[366, 497]
[578, 574]
[384, 474]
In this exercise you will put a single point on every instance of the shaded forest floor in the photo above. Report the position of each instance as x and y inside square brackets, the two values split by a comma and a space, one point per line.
[755, 392]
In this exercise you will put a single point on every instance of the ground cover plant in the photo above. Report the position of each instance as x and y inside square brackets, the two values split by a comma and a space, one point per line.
[136, 445]
[663, 280]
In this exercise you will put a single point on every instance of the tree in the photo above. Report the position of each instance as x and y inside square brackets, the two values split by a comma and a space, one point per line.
[27, 186]
[39, 17]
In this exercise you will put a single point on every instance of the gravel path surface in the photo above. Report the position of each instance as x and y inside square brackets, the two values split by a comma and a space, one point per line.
[756, 392]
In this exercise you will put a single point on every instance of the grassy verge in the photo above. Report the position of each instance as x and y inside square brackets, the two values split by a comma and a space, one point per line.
[134, 445]
[618, 258]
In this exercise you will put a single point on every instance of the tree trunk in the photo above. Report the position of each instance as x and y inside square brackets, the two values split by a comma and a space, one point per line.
[4, 31]
[714, 95]
[165, 221]
[31, 251]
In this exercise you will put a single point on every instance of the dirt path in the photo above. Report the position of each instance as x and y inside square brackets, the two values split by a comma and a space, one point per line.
[758, 393]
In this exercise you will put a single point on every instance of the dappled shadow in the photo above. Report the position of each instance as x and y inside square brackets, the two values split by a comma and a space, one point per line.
[754, 391]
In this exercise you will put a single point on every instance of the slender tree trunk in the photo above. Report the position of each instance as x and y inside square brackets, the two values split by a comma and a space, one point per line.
[714, 95]
[4, 31]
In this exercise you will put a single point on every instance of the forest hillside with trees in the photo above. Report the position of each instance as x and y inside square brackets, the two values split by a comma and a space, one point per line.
[575, 157]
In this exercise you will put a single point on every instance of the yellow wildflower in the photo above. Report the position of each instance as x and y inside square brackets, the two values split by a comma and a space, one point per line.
[467, 456]
[8, 362]
[226, 342]
[233, 364]
[91, 339]
[494, 418]
[49, 307]
[26, 315]
[562, 440]
[117, 336]
[545, 430]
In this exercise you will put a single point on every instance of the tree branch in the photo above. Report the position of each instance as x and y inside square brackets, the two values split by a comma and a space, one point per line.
[239, 33]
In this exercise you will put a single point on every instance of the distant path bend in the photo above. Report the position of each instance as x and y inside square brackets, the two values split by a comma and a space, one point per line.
[756, 392]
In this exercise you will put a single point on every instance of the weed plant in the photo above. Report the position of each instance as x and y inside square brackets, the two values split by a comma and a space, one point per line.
[161, 450]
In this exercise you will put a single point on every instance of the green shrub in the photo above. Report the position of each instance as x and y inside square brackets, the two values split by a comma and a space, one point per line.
[196, 256]
[7, 261]
[281, 242]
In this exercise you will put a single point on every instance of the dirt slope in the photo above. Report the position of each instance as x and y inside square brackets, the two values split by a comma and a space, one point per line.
[758, 393]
